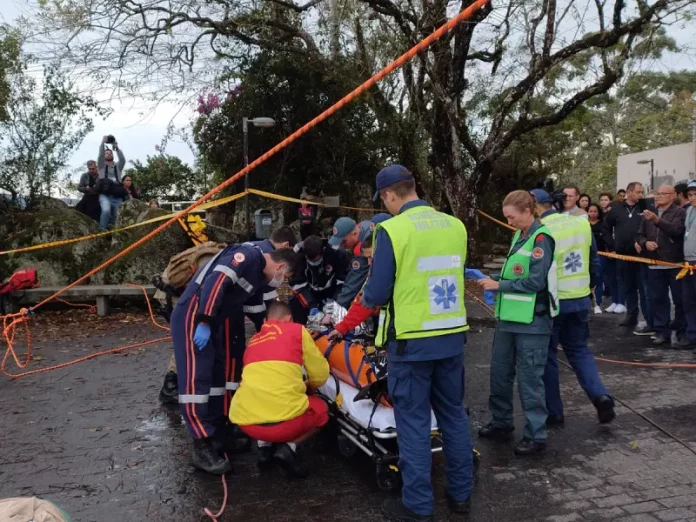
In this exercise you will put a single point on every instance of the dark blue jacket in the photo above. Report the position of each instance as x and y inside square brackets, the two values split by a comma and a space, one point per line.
[328, 275]
[379, 290]
[226, 283]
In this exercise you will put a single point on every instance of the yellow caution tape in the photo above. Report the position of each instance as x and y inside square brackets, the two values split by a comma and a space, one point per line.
[205, 206]
[686, 268]
[211, 204]
[295, 200]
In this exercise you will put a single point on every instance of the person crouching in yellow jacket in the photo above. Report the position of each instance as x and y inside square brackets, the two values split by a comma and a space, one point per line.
[272, 404]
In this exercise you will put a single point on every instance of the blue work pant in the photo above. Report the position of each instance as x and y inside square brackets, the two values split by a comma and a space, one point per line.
[599, 289]
[202, 374]
[633, 276]
[660, 282]
[523, 355]
[572, 331]
[414, 387]
[689, 302]
[109, 210]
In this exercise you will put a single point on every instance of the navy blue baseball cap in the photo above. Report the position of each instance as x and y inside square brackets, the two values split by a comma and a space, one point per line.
[378, 218]
[541, 196]
[342, 227]
[390, 175]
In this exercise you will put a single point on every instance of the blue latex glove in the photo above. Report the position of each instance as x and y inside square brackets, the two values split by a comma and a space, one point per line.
[473, 273]
[489, 297]
[201, 336]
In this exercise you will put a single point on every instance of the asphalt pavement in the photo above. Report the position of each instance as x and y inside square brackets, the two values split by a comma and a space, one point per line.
[94, 439]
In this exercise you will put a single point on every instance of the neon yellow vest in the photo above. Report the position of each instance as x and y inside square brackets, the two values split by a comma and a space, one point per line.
[517, 307]
[428, 298]
[573, 238]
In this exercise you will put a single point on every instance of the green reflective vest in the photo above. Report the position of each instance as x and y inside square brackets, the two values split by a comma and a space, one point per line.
[428, 298]
[517, 307]
[573, 238]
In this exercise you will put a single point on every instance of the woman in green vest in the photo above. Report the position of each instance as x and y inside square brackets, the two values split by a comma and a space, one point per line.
[525, 305]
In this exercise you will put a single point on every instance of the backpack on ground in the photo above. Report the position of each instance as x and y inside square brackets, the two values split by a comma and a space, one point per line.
[20, 280]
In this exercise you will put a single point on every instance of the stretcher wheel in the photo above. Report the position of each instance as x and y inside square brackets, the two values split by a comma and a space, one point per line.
[388, 478]
[346, 447]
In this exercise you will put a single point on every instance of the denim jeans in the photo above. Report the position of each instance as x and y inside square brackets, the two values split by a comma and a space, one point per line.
[109, 210]
[660, 282]
[611, 279]
[633, 276]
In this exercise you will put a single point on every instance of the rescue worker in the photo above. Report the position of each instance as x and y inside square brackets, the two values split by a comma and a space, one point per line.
[217, 291]
[577, 265]
[345, 234]
[320, 275]
[525, 306]
[272, 403]
[359, 265]
[417, 277]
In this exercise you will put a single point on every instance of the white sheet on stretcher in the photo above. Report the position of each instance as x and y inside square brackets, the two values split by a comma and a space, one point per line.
[360, 411]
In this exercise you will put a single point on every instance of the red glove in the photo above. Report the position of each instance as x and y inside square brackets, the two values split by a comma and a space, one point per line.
[357, 313]
[301, 298]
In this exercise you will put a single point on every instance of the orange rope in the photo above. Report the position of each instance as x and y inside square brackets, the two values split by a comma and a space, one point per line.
[11, 321]
[396, 64]
[92, 308]
[686, 268]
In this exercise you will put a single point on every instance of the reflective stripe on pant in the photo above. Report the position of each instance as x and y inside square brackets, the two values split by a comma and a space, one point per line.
[414, 387]
[201, 373]
[571, 330]
[523, 355]
[233, 336]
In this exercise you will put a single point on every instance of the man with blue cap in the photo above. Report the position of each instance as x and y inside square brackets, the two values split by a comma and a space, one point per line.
[577, 265]
[417, 278]
[359, 264]
[346, 234]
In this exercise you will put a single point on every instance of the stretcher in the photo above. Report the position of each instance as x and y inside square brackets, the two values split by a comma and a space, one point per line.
[358, 402]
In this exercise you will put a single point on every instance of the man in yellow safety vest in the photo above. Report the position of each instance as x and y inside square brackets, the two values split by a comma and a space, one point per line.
[578, 265]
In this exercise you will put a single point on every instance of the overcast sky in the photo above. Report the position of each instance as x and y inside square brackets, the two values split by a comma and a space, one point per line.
[139, 132]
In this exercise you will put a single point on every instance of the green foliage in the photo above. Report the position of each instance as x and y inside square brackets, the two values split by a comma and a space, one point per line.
[344, 152]
[166, 177]
[9, 63]
[46, 122]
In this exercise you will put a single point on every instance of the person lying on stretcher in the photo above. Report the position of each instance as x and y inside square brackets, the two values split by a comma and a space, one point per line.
[272, 404]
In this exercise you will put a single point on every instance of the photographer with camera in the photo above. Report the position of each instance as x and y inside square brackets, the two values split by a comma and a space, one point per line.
[109, 186]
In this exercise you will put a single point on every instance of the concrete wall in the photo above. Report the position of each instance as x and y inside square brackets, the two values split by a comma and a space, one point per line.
[672, 165]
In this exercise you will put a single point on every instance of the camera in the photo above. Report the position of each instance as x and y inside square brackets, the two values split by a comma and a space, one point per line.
[110, 139]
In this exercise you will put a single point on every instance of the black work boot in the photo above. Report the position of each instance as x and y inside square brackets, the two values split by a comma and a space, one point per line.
[555, 420]
[169, 394]
[394, 509]
[264, 458]
[230, 439]
[527, 447]
[496, 432]
[605, 409]
[207, 459]
[461, 507]
[290, 461]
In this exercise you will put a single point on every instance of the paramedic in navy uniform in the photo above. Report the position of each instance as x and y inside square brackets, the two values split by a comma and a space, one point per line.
[417, 277]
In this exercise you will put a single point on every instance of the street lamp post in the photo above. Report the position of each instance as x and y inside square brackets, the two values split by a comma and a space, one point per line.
[256, 122]
[652, 171]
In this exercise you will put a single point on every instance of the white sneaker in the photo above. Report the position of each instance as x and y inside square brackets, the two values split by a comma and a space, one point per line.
[620, 309]
[597, 310]
[611, 308]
